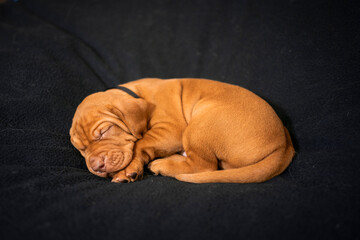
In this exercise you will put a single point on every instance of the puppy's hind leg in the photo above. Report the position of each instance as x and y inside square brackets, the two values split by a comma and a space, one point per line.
[170, 166]
[199, 156]
[180, 164]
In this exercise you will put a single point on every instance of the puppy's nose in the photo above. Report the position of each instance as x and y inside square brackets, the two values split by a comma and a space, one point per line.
[97, 164]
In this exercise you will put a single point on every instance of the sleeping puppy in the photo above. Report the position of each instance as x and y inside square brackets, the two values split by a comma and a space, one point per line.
[195, 130]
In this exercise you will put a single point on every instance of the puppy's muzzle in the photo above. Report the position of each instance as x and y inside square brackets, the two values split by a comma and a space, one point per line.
[97, 164]
[108, 163]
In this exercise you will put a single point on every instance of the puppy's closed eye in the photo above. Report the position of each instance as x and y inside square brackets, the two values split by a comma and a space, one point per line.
[99, 134]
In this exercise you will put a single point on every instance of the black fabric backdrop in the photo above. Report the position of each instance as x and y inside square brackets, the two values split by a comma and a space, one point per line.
[301, 56]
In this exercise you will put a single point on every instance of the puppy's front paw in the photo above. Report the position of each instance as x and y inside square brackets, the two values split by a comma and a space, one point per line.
[120, 177]
[134, 171]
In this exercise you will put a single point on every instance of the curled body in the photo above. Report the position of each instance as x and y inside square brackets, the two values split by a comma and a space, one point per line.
[225, 132]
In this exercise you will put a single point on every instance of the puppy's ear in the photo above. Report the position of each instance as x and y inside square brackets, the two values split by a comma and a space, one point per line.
[133, 112]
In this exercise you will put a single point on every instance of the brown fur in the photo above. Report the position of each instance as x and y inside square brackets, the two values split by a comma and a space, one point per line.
[227, 132]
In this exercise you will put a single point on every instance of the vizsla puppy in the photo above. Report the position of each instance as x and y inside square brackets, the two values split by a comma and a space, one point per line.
[195, 130]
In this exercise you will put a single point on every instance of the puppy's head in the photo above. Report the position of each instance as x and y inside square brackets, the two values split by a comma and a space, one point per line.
[105, 127]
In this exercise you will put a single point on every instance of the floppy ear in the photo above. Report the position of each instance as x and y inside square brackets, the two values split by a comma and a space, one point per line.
[133, 112]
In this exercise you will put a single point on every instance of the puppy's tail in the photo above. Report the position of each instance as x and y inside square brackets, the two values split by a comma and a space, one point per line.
[269, 167]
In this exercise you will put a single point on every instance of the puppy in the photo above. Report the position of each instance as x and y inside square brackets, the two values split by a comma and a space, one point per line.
[195, 130]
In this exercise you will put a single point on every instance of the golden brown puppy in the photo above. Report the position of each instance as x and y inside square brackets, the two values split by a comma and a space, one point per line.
[224, 132]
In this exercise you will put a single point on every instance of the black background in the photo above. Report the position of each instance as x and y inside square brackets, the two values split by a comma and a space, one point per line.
[301, 56]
